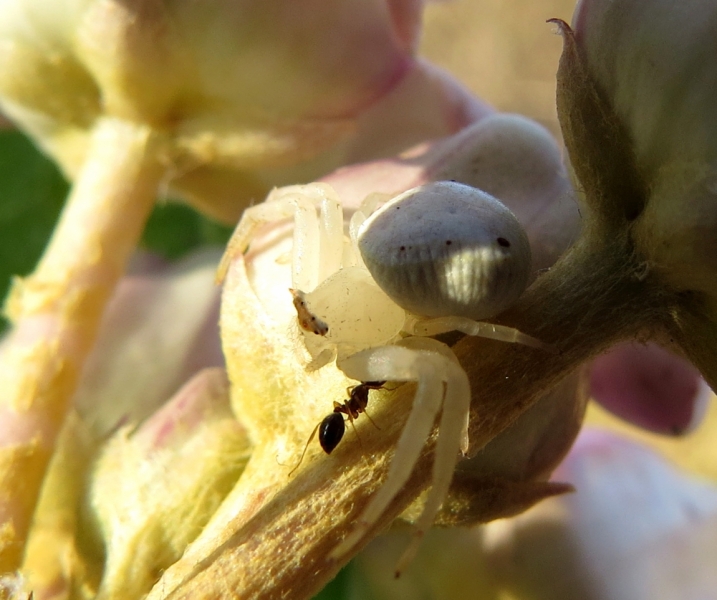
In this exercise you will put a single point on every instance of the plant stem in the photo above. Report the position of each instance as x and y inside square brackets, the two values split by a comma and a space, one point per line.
[57, 310]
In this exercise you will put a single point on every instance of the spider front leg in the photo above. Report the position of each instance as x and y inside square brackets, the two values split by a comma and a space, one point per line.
[438, 325]
[430, 370]
[318, 239]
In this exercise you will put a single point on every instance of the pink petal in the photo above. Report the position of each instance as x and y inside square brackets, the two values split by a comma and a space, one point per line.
[508, 156]
[305, 58]
[203, 398]
[650, 387]
[426, 104]
[159, 329]
[636, 528]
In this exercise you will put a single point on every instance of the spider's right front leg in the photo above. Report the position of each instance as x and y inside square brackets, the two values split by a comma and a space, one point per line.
[318, 240]
[430, 370]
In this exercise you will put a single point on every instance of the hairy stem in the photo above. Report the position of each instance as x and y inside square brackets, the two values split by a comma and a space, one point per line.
[56, 313]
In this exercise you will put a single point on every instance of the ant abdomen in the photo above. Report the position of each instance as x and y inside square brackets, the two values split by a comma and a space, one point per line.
[331, 431]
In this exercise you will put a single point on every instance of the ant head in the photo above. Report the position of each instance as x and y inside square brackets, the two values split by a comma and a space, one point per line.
[331, 430]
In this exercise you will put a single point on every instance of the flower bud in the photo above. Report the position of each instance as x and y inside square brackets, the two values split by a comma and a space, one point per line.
[126, 449]
[655, 65]
[650, 387]
[240, 91]
[635, 106]
[153, 490]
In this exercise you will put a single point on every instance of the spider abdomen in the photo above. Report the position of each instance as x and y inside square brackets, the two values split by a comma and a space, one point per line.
[446, 249]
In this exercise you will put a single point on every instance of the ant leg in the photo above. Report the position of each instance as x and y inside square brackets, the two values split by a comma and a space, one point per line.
[311, 437]
[358, 437]
[368, 416]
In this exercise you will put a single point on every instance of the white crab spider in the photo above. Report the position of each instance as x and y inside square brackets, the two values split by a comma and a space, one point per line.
[431, 260]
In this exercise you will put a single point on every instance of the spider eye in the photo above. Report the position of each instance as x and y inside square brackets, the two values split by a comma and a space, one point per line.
[331, 431]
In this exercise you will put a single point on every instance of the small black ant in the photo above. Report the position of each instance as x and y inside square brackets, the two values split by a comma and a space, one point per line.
[332, 427]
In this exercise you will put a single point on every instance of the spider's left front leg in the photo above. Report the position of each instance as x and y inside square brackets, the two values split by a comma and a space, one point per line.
[430, 370]
[435, 326]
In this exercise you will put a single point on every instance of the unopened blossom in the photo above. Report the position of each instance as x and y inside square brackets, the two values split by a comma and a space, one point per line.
[654, 62]
[241, 95]
[648, 386]
[215, 102]
[635, 105]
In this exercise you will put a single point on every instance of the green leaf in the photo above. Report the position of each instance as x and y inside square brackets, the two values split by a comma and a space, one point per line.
[174, 229]
[338, 587]
[32, 192]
